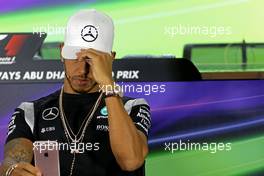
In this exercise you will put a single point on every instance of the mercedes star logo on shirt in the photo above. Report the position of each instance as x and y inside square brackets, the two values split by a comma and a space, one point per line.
[50, 113]
[89, 33]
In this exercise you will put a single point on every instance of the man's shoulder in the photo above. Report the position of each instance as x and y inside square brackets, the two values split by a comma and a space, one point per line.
[50, 97]
[42, 100]
[47, 100]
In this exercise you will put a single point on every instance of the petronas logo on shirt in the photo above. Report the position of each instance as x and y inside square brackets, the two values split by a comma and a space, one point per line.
[104, 111]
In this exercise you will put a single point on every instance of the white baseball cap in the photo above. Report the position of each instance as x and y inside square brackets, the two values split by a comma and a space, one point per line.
[88, 29]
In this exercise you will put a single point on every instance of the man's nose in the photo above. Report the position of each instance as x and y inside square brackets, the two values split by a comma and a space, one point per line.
[84, 67]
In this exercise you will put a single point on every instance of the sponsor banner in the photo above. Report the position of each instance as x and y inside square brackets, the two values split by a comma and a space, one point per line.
[132, 70]
[19, 63]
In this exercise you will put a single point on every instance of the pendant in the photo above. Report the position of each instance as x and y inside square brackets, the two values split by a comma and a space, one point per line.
[75, 148]
[74, 151]
[75, 141]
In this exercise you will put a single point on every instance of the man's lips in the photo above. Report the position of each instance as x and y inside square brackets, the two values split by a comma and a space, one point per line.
[82, 81]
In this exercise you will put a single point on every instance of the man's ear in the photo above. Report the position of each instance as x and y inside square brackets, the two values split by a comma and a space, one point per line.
[61, 58]
[113, 53]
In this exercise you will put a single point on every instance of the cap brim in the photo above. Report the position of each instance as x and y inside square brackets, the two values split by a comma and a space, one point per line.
[69, 52]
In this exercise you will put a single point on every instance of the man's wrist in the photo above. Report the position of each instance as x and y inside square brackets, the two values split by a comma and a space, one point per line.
[111, 89]
[113, 94]
[108, 82]
[108, 85]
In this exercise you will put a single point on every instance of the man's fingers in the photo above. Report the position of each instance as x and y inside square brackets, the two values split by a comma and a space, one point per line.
[86, 54]
[99, 53]
[96, 51]
[93, 51]
[21, 172]
[84, 51]
[29, 168]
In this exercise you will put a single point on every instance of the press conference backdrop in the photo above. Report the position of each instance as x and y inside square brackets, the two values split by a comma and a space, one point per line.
[224, 119]
[228, 112]
[153, 27]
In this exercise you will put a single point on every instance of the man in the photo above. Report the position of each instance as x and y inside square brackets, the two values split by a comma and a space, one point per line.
[90, 110]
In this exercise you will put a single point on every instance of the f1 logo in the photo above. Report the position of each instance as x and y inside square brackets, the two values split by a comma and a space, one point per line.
[15, 44]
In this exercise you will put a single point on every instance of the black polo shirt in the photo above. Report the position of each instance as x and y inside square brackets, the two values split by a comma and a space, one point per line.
[40, 120]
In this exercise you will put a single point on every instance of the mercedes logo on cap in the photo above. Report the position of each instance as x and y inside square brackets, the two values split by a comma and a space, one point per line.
[50, 113]
[89, 33]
